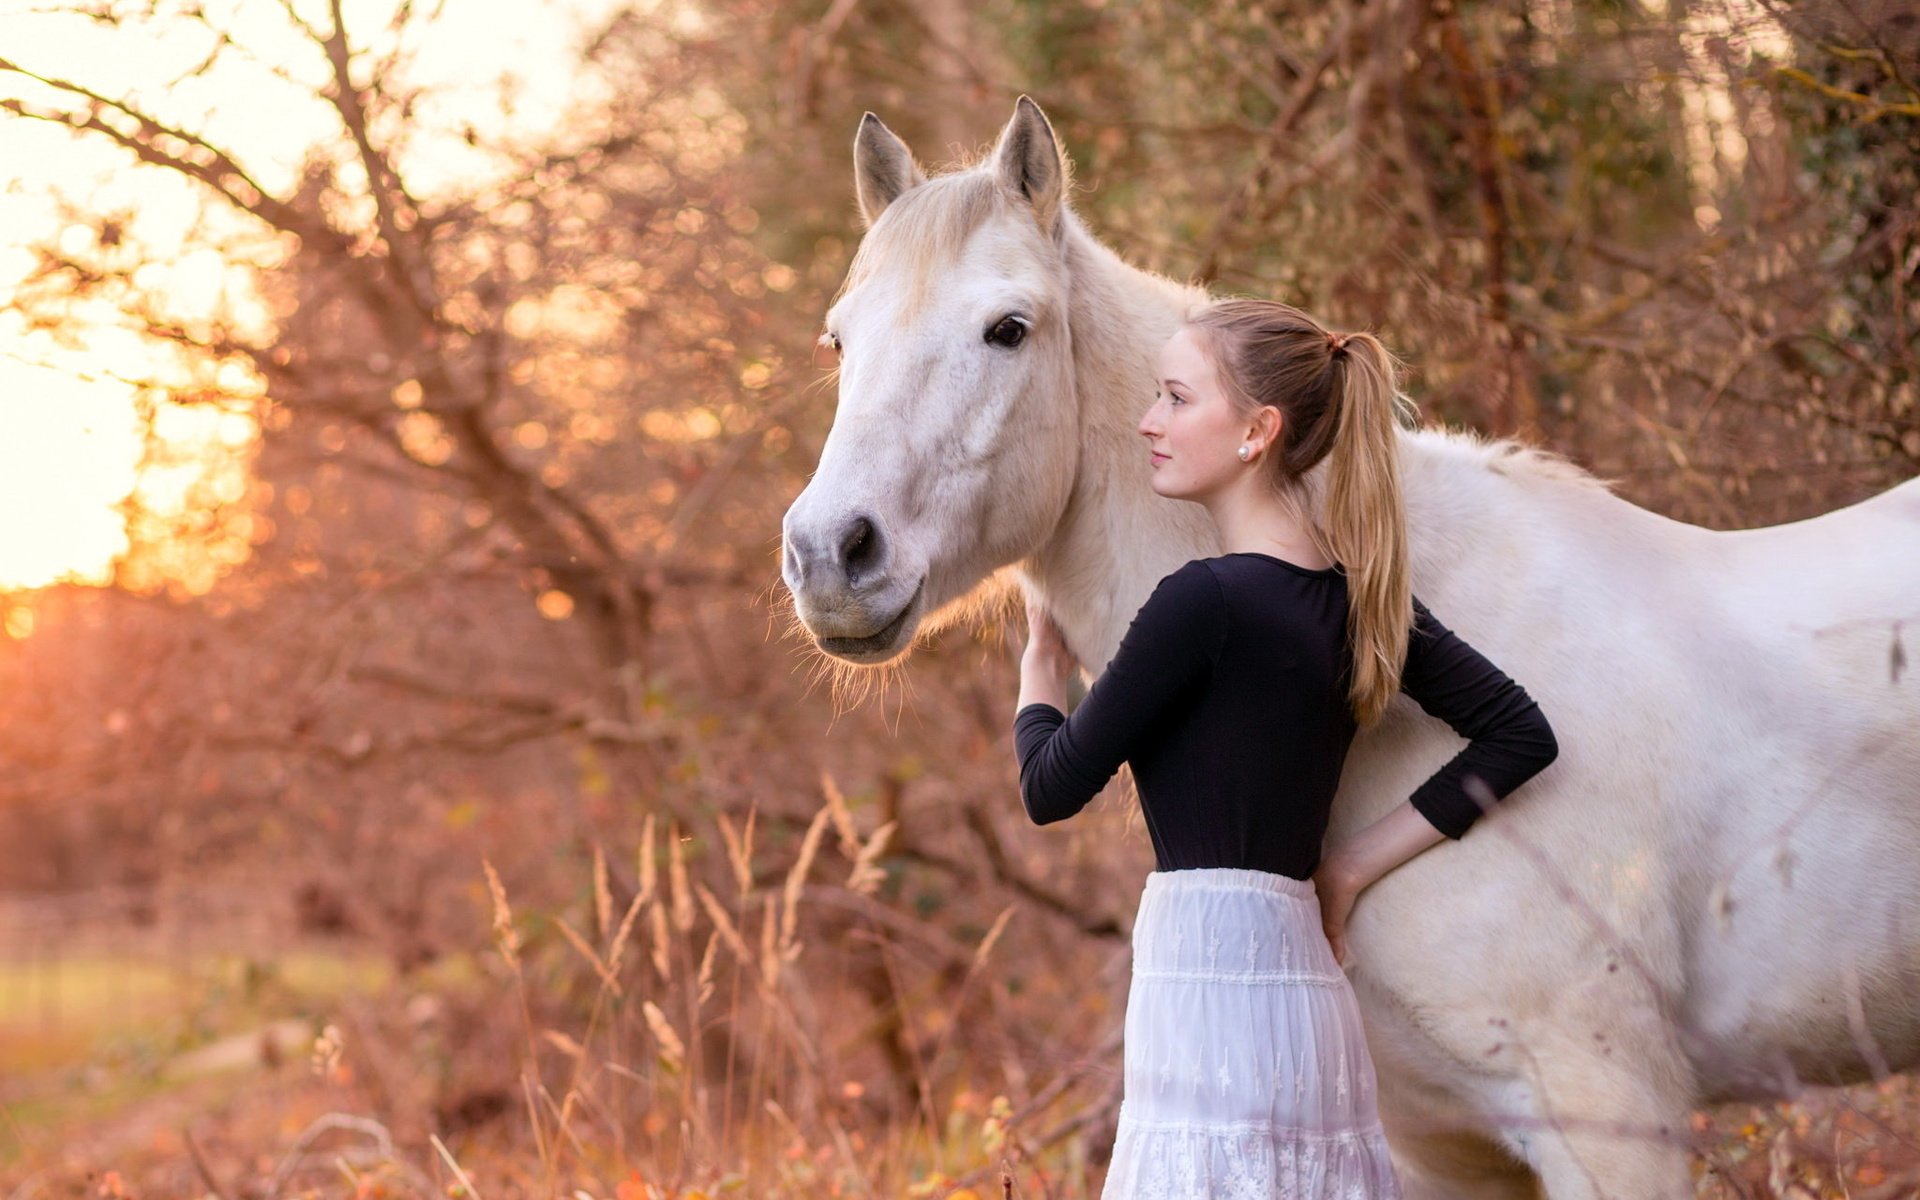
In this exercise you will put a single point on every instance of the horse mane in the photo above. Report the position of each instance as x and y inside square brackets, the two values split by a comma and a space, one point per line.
[1522, 462]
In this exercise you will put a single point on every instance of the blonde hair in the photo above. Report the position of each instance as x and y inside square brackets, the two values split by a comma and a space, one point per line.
[1340, 399]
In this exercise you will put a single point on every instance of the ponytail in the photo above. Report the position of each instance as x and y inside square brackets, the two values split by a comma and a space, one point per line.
[1366, 519]
[1341, 400]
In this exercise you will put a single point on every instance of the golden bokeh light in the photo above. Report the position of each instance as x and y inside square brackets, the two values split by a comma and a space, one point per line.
[18, 622]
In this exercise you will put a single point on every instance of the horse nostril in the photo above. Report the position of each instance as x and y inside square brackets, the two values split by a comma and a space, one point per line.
[859, 548]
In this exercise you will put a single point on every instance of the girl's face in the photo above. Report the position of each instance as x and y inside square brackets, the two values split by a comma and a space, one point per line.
[1191, 429]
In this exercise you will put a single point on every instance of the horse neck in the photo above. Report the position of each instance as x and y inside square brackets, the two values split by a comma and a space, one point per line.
[1459, 514]
[1116, 538]
[1467, 525]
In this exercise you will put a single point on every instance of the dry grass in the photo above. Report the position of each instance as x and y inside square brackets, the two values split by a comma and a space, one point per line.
[690, 1029]
[704, 1061]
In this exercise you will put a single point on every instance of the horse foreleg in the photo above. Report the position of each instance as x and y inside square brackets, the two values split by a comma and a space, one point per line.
[1459, 1166]
[1577, 1126]
[1595, 1128]
[1439, 1151]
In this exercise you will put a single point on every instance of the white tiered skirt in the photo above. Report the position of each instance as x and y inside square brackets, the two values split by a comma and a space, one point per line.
[1247, 1072]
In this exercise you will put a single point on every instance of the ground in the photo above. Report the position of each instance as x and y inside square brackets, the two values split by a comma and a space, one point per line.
[131, 1077]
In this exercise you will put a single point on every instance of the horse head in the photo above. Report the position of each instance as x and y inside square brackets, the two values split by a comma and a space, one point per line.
[952, 444]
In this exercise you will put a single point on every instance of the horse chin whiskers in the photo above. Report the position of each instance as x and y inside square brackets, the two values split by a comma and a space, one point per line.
[883, 644]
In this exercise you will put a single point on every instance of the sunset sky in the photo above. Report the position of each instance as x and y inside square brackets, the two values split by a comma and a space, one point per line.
[68, 438]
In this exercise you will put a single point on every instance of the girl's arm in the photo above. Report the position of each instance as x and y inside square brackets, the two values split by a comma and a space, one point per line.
[1509, 742]
[1169, 647]
[1508, 738]
[1354, 866]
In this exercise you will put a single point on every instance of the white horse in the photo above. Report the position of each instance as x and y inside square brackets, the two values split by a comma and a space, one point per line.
[1712, 895]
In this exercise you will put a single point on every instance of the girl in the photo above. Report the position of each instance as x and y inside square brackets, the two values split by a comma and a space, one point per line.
[1235, 695]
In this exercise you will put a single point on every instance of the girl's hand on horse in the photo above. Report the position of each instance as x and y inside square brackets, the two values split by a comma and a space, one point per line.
[1046, 649]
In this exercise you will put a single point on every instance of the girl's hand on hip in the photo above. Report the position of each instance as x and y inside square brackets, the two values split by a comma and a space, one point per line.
[1337, 889]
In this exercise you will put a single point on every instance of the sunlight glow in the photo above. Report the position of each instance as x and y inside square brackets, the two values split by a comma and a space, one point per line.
[69, 437]
[67, 455]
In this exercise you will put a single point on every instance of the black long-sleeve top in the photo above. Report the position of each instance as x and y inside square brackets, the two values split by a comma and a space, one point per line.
[1228, 695]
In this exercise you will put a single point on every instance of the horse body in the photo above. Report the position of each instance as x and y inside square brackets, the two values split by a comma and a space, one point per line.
[1710, 895]
[1803, 963]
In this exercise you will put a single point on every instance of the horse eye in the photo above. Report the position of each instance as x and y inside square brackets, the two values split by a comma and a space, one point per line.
[1010, 332]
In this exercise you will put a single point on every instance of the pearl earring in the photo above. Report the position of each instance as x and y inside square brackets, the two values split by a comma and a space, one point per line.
[1245, 453]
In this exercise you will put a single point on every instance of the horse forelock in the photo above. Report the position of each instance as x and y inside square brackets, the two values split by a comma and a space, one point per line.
[925, 229]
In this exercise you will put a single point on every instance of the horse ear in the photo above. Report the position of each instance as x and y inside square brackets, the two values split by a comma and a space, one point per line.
[883, 167]
[1028, 162]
